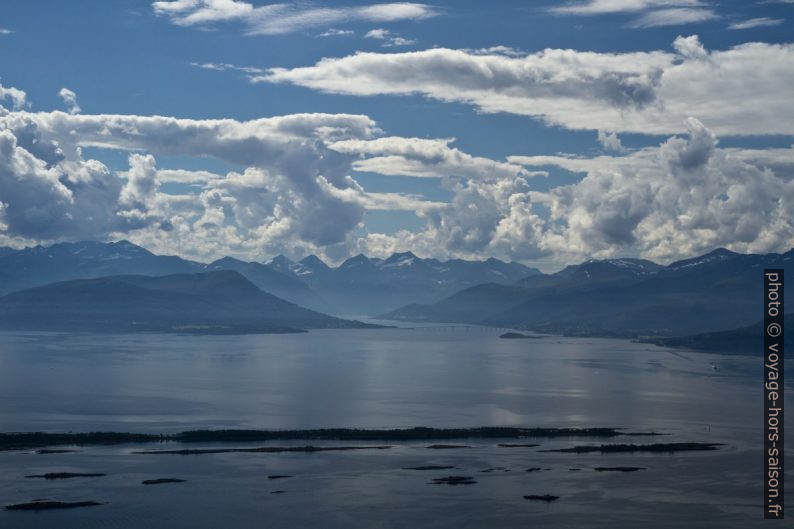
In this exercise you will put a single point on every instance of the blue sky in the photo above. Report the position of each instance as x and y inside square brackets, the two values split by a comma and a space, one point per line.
[473, 71]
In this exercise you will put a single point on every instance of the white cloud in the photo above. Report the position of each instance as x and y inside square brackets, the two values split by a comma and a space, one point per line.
[690, 47]
[142, 184]
[184, 176]
[225, 66]
[337, 33]
[5, 31]
[740, 90]
[378, 33]
[397, 156]
[652, 13]
[683, 198]
[674, 16]
[293, 190]
[600, 7]
[70, 99]
[756, 23]
[610, 141]
[389, 39]
[276, 19]
[41, 200]
[17, 96]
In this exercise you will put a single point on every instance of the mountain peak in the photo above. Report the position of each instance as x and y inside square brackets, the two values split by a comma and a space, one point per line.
[225, 261]
[720, 254]
[311, 259]
[402, 255]
[126, 244]
[357, 260]
[400, 261]
[281, 259]
[313, 263]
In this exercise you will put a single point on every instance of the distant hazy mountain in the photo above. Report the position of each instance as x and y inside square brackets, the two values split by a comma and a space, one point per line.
[271, 280]
[594, 273]
[717, 291]
[213, 302]
[361, 285]
[40, 265]
[747, 340]
[364, 285]
[6, 251]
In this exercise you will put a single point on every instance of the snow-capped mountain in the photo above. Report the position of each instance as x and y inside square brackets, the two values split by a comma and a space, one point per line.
[629, 297]
[370, 285]
[360, 285]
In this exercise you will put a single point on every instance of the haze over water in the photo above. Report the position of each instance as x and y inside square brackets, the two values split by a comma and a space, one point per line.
[442, 377]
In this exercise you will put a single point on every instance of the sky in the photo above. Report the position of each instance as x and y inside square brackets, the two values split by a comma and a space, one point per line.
[541, 132]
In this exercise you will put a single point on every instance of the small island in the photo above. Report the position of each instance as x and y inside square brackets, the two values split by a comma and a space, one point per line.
[29, 440]
[65, 475]
[541, 497]
[656, 447]
[454, 480]
[47, 505]
[517, 336]
[160, 481]
[260, 450]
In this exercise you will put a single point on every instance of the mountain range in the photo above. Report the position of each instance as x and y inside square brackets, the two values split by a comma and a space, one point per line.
[360, 285]
[747, 340]
[716, 292]
[719, 291]
[210, 302]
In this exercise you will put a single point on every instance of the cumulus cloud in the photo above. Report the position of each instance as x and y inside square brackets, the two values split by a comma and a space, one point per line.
[184, 176]
[609, 141]
[389, 39]
[72, 198]
[70, 99]
[276, 19]
[685, 197]
[740, 90]
[690, 47]
[398, 156]
[17, 96]
[142, 184]
[292, 189]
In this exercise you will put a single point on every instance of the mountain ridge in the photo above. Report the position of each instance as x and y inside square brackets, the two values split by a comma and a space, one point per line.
[359, 285]
[717, 291]
[210, 302]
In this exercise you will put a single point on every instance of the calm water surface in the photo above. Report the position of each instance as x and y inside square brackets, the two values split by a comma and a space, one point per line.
[443, 377]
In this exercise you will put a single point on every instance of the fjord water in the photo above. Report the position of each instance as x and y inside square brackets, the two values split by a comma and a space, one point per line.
[435, 376]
